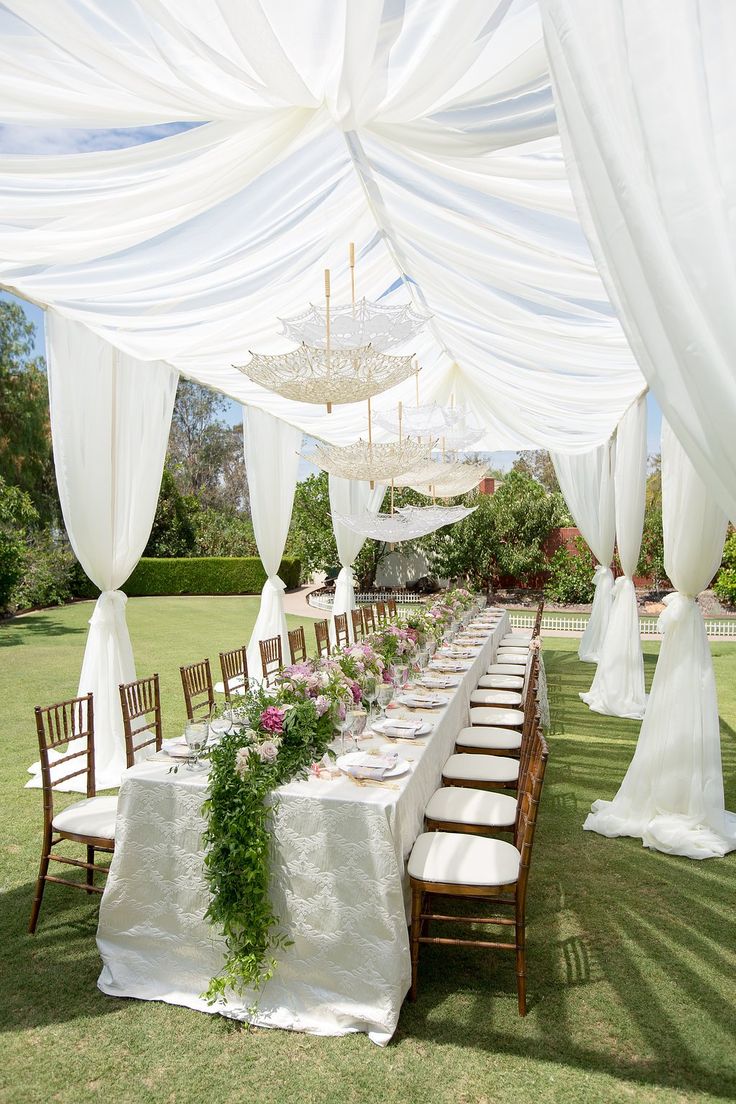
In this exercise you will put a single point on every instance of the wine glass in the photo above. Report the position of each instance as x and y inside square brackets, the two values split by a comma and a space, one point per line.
[385, 697]
[370, 693]
[400, 675]
[357, 720]
[195, 734]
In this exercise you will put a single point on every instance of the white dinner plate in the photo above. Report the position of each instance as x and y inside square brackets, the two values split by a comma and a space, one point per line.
[428, 701]
[384, 728]
[439, 682]
[344, 761]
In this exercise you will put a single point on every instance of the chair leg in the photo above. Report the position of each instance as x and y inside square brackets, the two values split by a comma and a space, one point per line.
[521, 966]
[416, 928]
[40, 883]
[90, 860]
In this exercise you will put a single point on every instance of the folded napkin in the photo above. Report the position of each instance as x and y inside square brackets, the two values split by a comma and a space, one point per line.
[371, 766]
[420, 700]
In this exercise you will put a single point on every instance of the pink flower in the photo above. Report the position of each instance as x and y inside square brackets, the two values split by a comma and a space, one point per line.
[272, 719]
[267, 751]
[241, 761]
[321, 704]
[357, 693]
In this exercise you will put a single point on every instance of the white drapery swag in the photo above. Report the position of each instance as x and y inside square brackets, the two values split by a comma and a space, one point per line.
[349, 496]
[630, 79]
[672, 794]
[618, 686]
[110, 420]
[587, 483]
[271, 465]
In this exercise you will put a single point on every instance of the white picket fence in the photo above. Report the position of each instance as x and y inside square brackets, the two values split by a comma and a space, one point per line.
[717, 628]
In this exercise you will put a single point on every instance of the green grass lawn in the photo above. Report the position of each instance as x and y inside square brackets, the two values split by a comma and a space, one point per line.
[632, 968]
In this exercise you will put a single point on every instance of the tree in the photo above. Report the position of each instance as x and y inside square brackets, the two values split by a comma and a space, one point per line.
[205, 453]
[17, 514]
[26, 459]
[172, 533]
[311, 538]
[537, 463]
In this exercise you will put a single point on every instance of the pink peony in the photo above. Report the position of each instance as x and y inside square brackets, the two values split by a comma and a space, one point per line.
[321, 704]
[272, 719]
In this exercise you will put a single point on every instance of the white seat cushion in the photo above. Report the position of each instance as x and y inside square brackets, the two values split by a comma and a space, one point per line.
[517, 669]
[518, 636]
[94, 816]
[466, 767]
[463, 805]
[495, 697]
[513, 658]
[501, 682]
[492, 715]
[236, 687]
[522, 653]
[454, 858]
[489, 737]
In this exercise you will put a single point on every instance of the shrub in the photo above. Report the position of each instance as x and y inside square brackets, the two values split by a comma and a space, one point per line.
[16, 513]
[205, 575]
[48, 574]
[172, 532]
[571, 575]
[725, 584]
[219, 533]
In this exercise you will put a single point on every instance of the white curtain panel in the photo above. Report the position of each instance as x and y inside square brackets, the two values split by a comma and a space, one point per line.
[645, 95]
[672, 794]
[349, 496]
[110, 420]
[618, 685]
[587, 483]
[271, 465]
[423, 132]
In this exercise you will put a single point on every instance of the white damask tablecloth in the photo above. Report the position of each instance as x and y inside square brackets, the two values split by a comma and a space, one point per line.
[338, 884]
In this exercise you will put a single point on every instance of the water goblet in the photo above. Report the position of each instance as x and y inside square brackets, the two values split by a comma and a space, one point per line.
[357, 720]
[385, 697]
[195, 734]
[370, 693]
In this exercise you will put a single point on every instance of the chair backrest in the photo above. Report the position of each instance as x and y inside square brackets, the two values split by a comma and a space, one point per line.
[199, 695]
[381, 615]
[356, 617]
[322, 633]
[140, 703]
[297, 645]
[530, 793]
[391, 604]
[538, 620]
[272, 659]
[341, 630]
[234, 667]
[57, 725]
[369, 620]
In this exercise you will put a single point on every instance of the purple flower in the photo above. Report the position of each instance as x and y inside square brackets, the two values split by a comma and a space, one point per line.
[321, 704]
[272, 719]
[357, 693]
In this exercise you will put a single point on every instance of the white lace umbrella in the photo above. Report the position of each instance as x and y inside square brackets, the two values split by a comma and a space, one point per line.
[377, 463]
[455, 427]
[445, 478]
[406, 524]
[382, 326]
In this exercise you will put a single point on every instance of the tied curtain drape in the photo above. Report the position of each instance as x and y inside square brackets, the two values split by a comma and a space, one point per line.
[587, 483]
[110, 420]
[271, 465]
[618, 685]
[672, 794]
[349, 496]
[644, 95]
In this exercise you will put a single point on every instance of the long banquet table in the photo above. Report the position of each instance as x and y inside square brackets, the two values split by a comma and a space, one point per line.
[338, 883]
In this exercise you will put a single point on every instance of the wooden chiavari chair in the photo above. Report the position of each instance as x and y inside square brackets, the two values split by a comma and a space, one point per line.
[272, 659]
[391, 606]
[341, 630]
[199, 694]
[140, 703]
[381, 613]
[297, 645]
[369, 620]
[356, 617]
[91, 821]
[234, 667]
[472, 867]
[322, 633]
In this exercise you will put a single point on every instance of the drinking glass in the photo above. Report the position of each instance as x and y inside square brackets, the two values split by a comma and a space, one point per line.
[370, 693]
[357, 720]
[400, 675]
[195, 734]
[385, 697]
[422, 657]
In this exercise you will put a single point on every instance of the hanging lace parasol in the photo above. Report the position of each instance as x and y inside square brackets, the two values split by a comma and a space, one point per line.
[312, 375]
[376, 463]
[445, 478]
[352, 327]
[406, 524]
[454, 427]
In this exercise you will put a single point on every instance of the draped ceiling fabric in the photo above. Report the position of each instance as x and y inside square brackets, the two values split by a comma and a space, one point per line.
[424, 131]
[645, 95]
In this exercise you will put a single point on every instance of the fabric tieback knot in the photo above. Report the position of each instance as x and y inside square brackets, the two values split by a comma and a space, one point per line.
[601, 573]
[678, 607]
[273, 582]
[109, 607]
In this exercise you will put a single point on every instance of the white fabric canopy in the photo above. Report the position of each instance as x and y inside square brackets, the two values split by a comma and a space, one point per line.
[110, 418]
[349, 496]
[424, 132]
[645, 95]
[618, 685]
[271, 465]
[672, 794]
[587, 483]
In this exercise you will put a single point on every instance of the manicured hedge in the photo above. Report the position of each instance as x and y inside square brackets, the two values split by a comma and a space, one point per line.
[202, 575]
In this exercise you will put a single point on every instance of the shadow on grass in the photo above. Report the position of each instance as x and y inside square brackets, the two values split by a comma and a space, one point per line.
[49, 977]
[23, 630]
[630, 952]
